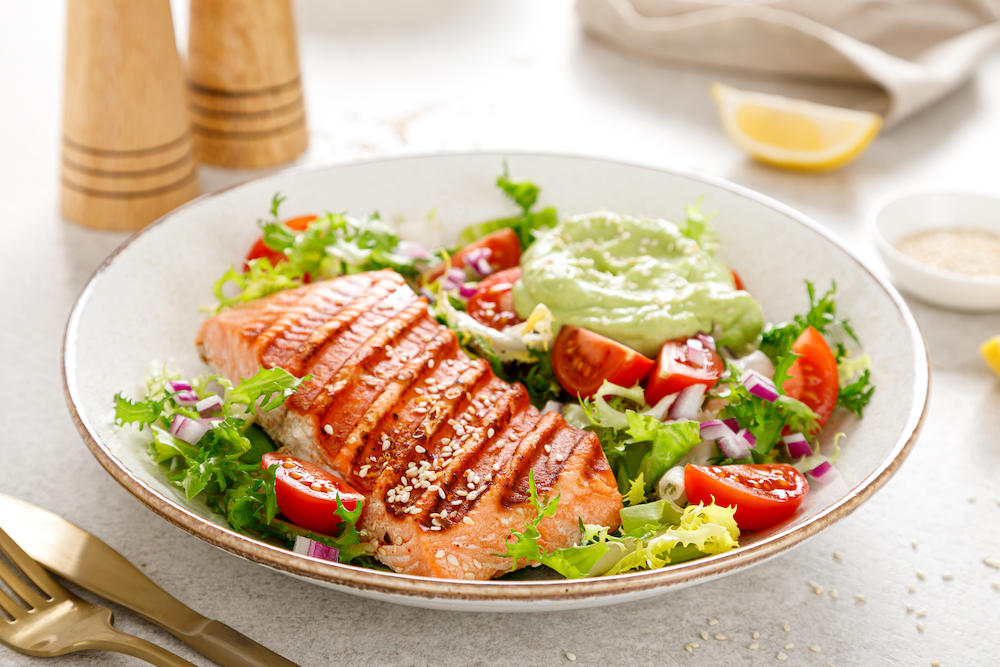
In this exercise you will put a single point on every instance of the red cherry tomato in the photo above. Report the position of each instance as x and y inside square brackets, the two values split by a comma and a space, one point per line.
[583, 360]
[679, 365]
[813, 378]
[307, 495]
[493, 303]
[259, 250]
[505, 253]
[763, 494]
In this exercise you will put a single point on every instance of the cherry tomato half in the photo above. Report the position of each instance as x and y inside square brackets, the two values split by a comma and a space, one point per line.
[307, 494]
[505, 253]
[583, 360]
[813, 378]
[682, 363]
[259, 250]
[763, 494]
[493, 303]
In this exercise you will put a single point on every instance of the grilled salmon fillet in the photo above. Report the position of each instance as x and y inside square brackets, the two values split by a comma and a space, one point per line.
[440, 447]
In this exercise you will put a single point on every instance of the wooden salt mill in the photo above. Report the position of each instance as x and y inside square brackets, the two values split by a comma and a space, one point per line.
[244, 87]
[127, 151]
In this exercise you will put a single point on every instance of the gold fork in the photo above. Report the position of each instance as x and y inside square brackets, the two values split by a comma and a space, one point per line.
[61, 622]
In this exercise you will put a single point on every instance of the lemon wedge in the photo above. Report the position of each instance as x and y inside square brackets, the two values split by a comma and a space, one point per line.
[794, 134]
[991, 353]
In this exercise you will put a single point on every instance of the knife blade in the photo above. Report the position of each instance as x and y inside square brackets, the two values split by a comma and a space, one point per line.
[76, 555]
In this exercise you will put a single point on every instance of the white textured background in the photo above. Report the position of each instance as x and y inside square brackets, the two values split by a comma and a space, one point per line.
[402, 76]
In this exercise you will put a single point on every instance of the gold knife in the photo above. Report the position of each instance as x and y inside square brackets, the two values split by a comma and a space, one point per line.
[78, 556]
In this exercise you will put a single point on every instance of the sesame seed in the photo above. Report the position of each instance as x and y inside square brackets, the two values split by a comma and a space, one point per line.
[420, 410]
[453, 560]
[420, 450]
[935, 664]
[996, 585]
[920, 626]
[921, 613]
[834, 594]
[920, 575]
[720, 638]
[548, 449]
[786, 627]
[912, 588]
[755, 635]
[789, 647]
[490, 432]
[385, 445]
[838, 555]
[467, 520]
[914, 545]
[441, 493]
[947, 576]
[688, 648]
[781, 656]
[991, 562]
[860, 597]
[909, 609]
[754, 646]
[473, 495]
[714, 621]
[570, 657]
[456, 502]
[439, 554]
[430, 363]
[704, 635]
[496, 467]
[419, 391]
[328, 429]
[398, 570]
[815, 649]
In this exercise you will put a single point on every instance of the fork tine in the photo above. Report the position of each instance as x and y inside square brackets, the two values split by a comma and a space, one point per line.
[29, 567]
[23, 591]
[8, 604]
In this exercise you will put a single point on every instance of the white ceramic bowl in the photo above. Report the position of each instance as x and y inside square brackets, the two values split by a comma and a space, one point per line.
[900, 215]
[142, 304]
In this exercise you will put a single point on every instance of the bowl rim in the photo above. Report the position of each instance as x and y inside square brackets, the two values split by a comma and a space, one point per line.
[886, 248]
[420, 591]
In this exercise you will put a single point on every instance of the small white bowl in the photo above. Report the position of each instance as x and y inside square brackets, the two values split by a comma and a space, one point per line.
[900, 215]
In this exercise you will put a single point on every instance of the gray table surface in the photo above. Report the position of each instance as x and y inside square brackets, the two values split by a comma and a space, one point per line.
[397, 77]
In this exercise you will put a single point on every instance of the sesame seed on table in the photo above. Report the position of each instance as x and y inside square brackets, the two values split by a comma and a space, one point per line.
[918, 563]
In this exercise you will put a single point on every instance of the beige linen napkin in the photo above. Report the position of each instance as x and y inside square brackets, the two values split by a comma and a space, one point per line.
[913, 52]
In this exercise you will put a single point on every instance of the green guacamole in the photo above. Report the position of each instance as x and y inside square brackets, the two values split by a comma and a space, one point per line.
[638, 281]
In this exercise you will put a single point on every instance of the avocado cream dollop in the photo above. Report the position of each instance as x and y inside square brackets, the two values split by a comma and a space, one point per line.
[639, 281]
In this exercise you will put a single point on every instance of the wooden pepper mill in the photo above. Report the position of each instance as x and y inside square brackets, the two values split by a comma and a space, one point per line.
[127, 148]
[244, 86]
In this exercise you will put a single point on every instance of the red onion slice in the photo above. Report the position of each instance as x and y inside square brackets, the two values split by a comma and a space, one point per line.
[467, 290]
[185, 398]
[478, 260]
[307, 547]
[747, 437]
[760, 386]
[688, 403]
[706, 340]
[187, 429]
[797, 446]
[734, 447]
[179, 385]
[824, 473]
[209, 405]
[733, 425]
[715, 429]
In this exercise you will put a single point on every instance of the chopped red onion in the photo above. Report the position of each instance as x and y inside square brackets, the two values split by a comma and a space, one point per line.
[734, 447]
[209, 405]
[733, 425]
[478, 260]
[797, 446]
[454, 279]
[185, 398]
[552, 406]
[707, 341]
[688, 403]
[694, 344]
[696, 353]
[412, 249]
[467, 290]
[179, 385]
[759, 386]
[307, 547]
[715, 429]
[187, 429]
[747, 437]
[824, 473]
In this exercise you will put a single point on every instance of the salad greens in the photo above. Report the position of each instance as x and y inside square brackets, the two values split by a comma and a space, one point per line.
[224, 467]
[524, 194]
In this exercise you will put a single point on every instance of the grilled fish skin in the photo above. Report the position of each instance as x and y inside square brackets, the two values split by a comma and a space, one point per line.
[440, 447]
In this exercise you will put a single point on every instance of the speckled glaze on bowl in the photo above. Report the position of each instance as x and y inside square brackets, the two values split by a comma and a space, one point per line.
[142, 304]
